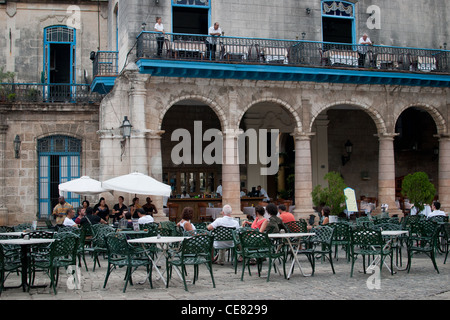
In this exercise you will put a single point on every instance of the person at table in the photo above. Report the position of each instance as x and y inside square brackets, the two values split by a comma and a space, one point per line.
[225, 221]
[326, 215]
[133, 207]
[83, 211]
[425, 212]
[219, 189]
[149, 207]
[91, 218]
[260, 221]
[263, 193]
[436, 207]
[60, 210]
[144, 216]
[119, 209]
[285, 216]
[102, 210]
[68, 221]
[159, 27]
[214, 33]
[186, 217]
[185, 195]
[363, 42]
[274, 224]
[244, 193]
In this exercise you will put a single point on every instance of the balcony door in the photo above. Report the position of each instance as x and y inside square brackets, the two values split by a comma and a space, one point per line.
[191, 16]
[59, 62]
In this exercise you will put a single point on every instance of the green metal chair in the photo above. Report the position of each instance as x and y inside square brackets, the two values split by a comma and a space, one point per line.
[224, 235]
[369, 242]
[424, 241]
[341, 237]
[121, 254]
[297, 226]
[63, 253]
[257, 245]
[398, 245]
[320, 245]
[195, 251]
[99, 244]
[8, 263]
[446, 239]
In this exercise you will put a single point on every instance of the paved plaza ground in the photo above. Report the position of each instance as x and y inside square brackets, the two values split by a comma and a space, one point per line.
[422, 283]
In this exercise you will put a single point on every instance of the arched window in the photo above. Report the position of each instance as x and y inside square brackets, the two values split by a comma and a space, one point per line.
[59, 162]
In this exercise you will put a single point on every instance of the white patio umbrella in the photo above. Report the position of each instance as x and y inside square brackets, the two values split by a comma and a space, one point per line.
[138, 183]
[83, 186]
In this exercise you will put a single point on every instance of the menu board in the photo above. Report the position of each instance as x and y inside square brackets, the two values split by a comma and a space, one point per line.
[350, 200]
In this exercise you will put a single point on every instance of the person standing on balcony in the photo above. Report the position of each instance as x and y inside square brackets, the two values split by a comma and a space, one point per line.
[211, 41]
[159, 27]
[363, 42]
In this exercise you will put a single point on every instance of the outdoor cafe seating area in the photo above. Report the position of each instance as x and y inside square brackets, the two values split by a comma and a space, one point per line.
[38, 254]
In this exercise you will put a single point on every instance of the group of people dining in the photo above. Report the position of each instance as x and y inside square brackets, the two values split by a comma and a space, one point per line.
[65, 214]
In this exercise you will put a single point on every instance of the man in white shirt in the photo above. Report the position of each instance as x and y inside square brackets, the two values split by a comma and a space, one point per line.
[211, 41]
[68, 221]
[363, 42]
[425, 212]
[228, 222]
[144, 218]
[436, 206]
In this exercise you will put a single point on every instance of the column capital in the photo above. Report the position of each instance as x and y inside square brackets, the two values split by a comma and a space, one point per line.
[386, 136]
[300, 135]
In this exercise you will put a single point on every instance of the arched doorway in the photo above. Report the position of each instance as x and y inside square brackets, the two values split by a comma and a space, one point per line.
[416, 146]
[274, 121]
[186, 147]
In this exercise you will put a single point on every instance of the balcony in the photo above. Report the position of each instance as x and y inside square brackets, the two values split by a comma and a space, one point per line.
[47, 93]
[105, 70]
[186, 55]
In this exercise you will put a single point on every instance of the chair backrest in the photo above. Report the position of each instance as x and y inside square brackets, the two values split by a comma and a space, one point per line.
[427, 228]
[254, 240]
[222, 233]
[297, 226]
[439, 219]
[388, 227]
[323, 235]
[152, 228]
[341, 231]
[65, 229]
[117, 245]
[200, 245]
[65, 245]
[99, 240]
[199, 225]
[191, 233]
[367, 237]
[22, 227]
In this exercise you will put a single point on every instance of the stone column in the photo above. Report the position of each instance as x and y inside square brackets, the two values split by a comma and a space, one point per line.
[303, 176]
[155, 168]
[137, 100]
[231, 182]
[386, 173]
[4, 220]
[444, 172]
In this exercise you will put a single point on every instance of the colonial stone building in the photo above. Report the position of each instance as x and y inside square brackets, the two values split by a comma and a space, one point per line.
[293, 66]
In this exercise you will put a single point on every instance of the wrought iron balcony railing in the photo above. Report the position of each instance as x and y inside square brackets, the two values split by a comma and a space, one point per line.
[171, 46]
[105, 63]
[47, 93]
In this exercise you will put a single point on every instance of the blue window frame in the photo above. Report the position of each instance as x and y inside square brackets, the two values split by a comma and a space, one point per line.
[59, 162]
[193, 17]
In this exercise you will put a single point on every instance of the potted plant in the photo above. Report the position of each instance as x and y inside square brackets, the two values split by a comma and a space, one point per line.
[331, 196]
[419, 190]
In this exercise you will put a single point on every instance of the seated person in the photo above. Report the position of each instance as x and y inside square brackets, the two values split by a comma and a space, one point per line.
[92, 218]
[436, 206]
[260, 222]
[149, 207]
[285, 216]
[68, 221]
[275, 224]
[144, 217]
[186, 217]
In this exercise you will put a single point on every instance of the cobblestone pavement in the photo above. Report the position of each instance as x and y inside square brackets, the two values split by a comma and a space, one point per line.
[423, 283]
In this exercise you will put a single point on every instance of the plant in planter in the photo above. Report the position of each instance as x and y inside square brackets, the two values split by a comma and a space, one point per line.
[331, 196]
[418, 189]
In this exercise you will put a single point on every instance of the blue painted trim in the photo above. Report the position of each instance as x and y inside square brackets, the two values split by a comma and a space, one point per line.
[103, 85]
[187, 69]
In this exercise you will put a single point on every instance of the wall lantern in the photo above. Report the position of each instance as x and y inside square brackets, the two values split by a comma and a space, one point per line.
[348, 150]
[308, 11]
[125, 128]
